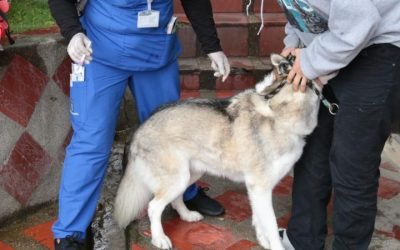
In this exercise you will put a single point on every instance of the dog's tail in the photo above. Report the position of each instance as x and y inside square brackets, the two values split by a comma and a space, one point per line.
[132, 197]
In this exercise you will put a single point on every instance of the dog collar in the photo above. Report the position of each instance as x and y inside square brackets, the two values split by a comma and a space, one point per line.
[275, 91]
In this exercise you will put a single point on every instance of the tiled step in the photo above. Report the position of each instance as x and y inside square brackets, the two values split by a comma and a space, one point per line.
[238, 34]
[234, 6]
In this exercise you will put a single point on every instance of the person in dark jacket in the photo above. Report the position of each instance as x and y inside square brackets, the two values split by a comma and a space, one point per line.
[115, 44]
[360, 41]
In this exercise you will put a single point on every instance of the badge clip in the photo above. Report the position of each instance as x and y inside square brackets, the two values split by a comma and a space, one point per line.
[148, 18]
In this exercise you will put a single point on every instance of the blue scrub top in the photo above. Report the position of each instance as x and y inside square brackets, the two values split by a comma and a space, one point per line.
[111, 25]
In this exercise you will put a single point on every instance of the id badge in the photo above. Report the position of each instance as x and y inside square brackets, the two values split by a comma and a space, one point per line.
[148, 19]
[78, 73]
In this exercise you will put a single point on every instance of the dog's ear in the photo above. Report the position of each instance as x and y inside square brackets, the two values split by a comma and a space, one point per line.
[276, 59]
[282, 64]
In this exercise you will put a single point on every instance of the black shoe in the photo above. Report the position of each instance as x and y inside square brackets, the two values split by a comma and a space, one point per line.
[68, 243]
[204, 204]
[285, 239]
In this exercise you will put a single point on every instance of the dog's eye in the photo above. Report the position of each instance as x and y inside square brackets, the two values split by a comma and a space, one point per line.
[284, 68]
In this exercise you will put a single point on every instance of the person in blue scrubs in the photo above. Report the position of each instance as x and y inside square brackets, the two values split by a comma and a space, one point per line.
[117, 44]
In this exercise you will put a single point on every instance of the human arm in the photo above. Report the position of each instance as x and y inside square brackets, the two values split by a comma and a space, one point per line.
[291, 39]
[66, 16]
[351, 26]
[199, 13]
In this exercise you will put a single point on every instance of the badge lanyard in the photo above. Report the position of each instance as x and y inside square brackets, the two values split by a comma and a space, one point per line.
[148, 18]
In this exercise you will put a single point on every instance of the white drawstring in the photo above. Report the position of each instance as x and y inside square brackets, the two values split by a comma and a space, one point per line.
[262, 17]
[261, 14]
[248, 6]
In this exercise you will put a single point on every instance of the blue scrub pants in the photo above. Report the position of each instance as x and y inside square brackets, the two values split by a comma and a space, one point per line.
[95, 105]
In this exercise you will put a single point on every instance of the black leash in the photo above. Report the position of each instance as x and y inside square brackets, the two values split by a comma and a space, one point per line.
[331, 106]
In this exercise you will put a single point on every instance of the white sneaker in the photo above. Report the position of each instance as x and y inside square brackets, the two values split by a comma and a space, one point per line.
[285, 239]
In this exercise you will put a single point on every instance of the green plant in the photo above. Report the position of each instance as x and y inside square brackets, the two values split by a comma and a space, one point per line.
[27, 15]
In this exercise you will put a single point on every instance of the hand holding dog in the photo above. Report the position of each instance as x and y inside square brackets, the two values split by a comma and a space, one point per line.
[296, 76]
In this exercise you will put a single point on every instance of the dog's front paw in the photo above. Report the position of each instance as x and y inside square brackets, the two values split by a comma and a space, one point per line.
[162, 242]
[192, 216]
[263, 241]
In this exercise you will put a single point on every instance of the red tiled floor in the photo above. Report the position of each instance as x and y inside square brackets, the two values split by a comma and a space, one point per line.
[199, 235]
[61, 77]
[396, 231]
[242, 245]
[202, 184]
[137, 247]
[283, 221]
[25, 167]
[388, 188]
[237, 206]
[284, 187]
[3, 246]
[42, 234]
[387, 234]
[20, 90]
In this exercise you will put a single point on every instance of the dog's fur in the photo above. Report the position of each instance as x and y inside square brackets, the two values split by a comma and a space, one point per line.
[248, 138]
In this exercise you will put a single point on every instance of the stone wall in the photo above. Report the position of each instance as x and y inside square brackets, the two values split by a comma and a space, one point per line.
[34, 121]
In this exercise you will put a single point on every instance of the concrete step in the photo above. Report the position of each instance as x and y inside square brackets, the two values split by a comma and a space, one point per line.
[238, 34]
[196, 75]
[231, 6]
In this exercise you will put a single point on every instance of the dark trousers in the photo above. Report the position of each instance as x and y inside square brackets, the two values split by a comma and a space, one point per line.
[342, 156]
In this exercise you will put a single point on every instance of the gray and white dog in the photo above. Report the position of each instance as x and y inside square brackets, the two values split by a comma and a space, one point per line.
[254, 137]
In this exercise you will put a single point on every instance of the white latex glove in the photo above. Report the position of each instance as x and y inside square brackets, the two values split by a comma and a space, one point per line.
[80, 49]
[220, 64]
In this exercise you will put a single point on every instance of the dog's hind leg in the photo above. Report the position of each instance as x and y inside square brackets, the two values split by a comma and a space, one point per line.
[263, 215]
[184, 213]
[173, 186]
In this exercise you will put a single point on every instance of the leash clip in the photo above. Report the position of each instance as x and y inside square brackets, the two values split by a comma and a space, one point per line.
[332, 107]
